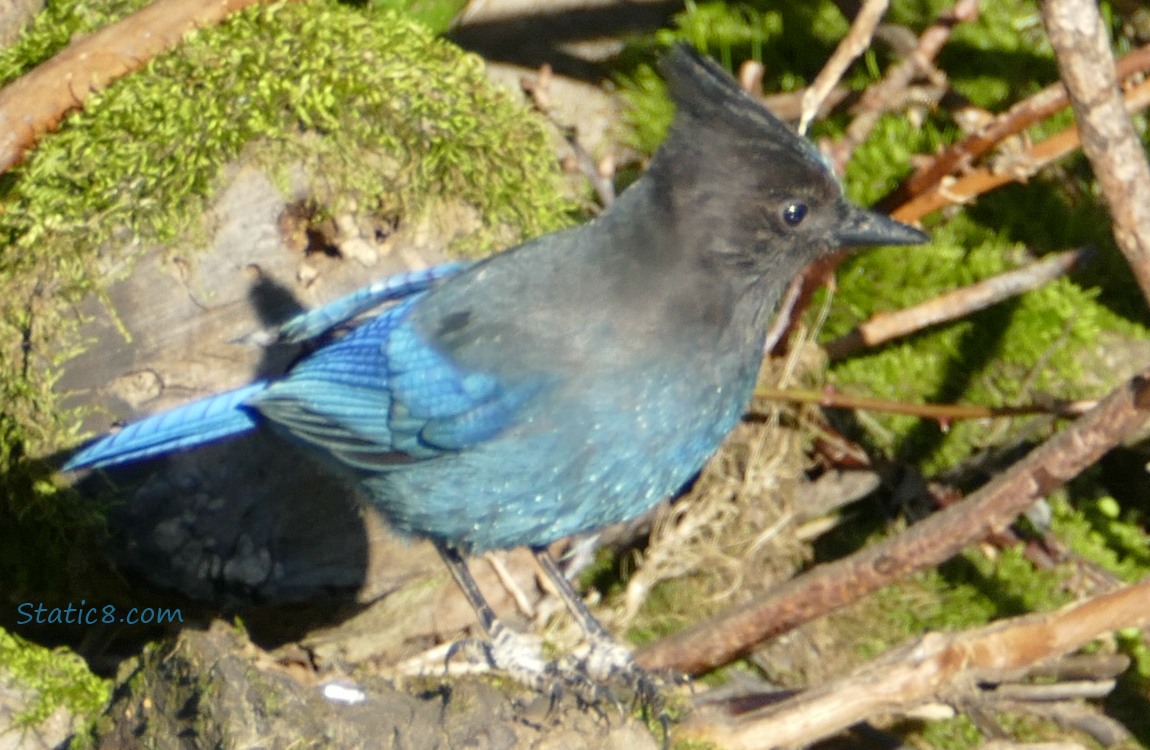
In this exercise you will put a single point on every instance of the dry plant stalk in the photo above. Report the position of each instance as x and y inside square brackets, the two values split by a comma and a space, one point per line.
[926, 671]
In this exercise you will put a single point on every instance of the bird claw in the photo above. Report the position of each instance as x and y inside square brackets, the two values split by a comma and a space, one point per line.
[610, 663]
[518, 655]
[589, 679]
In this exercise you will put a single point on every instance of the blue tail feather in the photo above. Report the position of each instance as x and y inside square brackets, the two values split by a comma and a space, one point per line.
[186, 426]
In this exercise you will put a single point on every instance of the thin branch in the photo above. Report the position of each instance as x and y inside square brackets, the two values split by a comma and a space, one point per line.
[1109, 141]
[937, 665]
[961, 156]
[938, 538]
[966, 188]
[857, 40]
[36, 102]
[956, 304]
[881, 97]
[941, 412]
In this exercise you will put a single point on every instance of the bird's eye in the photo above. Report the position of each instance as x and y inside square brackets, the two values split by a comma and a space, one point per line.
[794, 213]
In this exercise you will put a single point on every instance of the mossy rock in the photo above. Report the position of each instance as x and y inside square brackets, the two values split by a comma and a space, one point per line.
[292, 153]
[357, 117]
[212, 689]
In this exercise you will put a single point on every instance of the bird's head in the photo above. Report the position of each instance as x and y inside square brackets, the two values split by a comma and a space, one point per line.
[762, 197]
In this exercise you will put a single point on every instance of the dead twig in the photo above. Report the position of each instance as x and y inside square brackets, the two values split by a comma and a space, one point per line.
[883, 96]
[832, 585]
[857, 40]
[1109, 141]
[961, 156]
[956, 304]
[942, 412]
[966, 188]
[937, 666]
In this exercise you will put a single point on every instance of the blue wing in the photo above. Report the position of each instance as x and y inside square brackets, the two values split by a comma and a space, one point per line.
[315, 323]
[330, 398]
[384, 396]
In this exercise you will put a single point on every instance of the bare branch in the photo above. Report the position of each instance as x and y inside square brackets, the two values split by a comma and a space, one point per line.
[36, 102]
[966, 188]
[956, 304]
[857, 40]
[833, 585]
[880, 98]
[942, 412]
[939, 665]
[1082, 48]
[962, 155]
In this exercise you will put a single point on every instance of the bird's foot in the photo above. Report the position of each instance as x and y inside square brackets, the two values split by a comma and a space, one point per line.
[608, 663]
[590, 680]
[519, 655]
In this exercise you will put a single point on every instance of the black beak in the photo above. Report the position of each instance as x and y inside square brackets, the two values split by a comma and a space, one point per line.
[861, 227]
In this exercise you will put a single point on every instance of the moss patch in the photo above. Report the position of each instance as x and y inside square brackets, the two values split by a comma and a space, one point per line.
[384, 117]
[57, 677]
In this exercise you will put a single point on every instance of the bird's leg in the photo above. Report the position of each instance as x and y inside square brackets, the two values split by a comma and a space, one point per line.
[607, 659]
[517, 655]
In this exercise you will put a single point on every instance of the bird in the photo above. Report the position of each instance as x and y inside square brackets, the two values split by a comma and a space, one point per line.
[570, 382]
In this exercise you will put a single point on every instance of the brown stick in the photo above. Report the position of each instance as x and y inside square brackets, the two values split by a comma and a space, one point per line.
[880, 97]
[833, 585]
[885, 326]
[941, 412]
[1022, 115]
[1082, 49]
[920, 672]
[856, 41]
[971, 185]
[36, 102]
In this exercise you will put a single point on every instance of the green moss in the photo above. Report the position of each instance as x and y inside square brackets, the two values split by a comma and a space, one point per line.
[437, 15]
[668, 607]
[967, 592]
[1039, 343]
[380, 113]
[958, 733]
[54, 27]
[58, 677]
[693, 745]
[149, 148]
[1104, 533]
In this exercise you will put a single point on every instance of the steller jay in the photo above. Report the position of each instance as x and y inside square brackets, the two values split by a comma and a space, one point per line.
[573, 381]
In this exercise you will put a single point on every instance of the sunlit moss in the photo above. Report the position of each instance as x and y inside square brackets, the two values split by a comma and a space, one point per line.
[57, 678]
[377, 110]
[331, 86]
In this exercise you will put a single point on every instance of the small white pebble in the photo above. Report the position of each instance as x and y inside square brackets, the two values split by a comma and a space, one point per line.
[339, 692]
